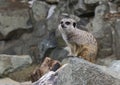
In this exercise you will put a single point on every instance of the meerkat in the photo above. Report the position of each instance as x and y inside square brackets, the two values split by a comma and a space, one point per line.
[81, 43]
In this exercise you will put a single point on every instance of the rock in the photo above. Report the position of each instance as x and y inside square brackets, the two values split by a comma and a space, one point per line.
[40, 10]
[2, 44]
[51, 11]
[22, 74]
[81, 5]
[48, 79]
[13, 17]
[106, 61]
[47, 44]
[59, 53]
[115, 66]
[93, 1]
[8, 81]
[54, 18]
[26, 83]
[8, 48]
[81, 24]
[9, 63]
[116, 37]
[81, 72]
[113, 7]
[4, 3]
[47, 65]
[117, 2]
[83, 10]
[40, 29]
[52, 1]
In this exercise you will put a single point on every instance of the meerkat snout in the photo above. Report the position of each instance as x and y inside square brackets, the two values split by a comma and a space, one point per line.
[62, 24]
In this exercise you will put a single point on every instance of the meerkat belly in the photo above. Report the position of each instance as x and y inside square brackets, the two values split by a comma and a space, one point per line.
[86, 52]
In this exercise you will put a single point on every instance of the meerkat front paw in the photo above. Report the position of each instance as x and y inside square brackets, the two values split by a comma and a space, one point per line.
[68, 49]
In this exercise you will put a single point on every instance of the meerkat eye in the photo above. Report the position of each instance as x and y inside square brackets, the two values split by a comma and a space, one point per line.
[61, 22]
[74, 24]
[67, 23]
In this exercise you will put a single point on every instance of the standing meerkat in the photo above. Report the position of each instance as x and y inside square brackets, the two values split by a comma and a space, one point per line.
[81, 43]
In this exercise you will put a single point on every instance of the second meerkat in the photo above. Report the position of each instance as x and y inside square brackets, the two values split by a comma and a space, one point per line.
[81, 43]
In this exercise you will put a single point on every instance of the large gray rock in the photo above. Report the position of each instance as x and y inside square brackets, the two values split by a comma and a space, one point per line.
[40, 10]
[14, 18]
[81, 72]
[9, 63]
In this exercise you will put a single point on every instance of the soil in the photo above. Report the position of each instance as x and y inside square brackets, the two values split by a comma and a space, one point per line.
[22, 75]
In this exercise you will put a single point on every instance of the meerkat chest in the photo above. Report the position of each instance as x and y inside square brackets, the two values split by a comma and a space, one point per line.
[64, 36]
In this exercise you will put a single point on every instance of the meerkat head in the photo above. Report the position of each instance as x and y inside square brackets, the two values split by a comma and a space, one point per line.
[67, 24]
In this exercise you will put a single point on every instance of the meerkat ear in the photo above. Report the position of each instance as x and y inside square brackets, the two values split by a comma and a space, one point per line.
[74, 24]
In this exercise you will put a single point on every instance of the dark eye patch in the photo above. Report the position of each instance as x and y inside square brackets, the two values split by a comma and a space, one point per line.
[67, 23]
[61, 22]
[74, 24]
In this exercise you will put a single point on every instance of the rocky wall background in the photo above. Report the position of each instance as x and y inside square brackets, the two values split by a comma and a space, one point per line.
[29, 27]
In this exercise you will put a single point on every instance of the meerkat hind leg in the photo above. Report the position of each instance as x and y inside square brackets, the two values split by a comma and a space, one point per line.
[87, 55]
[84, 52]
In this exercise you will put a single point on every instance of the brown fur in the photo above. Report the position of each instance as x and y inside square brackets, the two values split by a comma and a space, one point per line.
[84, 51]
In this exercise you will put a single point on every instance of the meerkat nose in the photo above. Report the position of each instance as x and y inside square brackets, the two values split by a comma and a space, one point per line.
[62, 25]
